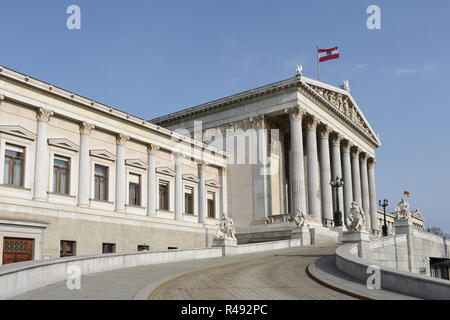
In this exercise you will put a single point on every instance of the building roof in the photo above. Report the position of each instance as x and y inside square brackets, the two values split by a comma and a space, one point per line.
[317, 88]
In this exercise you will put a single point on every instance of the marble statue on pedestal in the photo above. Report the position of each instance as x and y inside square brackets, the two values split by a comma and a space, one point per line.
[356, 220]
[402, 210]
[301, 219]
[226, 229]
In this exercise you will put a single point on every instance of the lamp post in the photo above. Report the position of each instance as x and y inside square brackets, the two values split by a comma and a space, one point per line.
[384, 205]
[336, 184]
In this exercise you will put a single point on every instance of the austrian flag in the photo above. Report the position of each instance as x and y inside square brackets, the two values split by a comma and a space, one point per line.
[328, 54]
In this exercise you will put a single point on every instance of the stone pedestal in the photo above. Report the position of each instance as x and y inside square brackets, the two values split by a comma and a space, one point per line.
[302, 234]
[403, 226]
[361, 238]
[224, 242]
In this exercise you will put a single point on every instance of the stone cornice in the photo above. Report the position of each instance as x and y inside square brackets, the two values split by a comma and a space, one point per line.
[99, 107]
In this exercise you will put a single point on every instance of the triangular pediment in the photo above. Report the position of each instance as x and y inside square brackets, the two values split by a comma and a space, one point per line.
[165, 170]
[63, 143]
[103, 154]
[212, 183]
[17, 131]
[418, 215]
[342, 101]
[190, 177]
[136, 163]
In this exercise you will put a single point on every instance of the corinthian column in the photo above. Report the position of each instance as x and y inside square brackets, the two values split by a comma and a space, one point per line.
[121, 173]
[312, 169]
[325, 175]
[373, 195]
[365, 189]
[178, 187]
[84, 165]
[41, 160]
[151, 179]
[356, 176]
[297, 170]
[336, 167]
[347, 175]
[223, 192]
[201, 192]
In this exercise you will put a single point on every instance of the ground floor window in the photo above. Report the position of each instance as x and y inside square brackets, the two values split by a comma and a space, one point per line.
[143, 247]
[108, 248]
[189, 200]
[17, 250]
[211, 204]
[68, 248]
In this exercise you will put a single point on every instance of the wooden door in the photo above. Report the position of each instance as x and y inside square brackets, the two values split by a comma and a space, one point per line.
[17, 250]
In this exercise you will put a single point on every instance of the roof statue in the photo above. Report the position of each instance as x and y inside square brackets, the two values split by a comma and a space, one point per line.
[299, 70]
[346, 85]
[356, 220]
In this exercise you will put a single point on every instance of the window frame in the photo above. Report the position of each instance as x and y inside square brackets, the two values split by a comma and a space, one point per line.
[69, 172]
[139, 188]
[11, 166]
[107, 244]
[214, 201]
[107, 180]
[62, 254]
[192, 196]
[167, 183]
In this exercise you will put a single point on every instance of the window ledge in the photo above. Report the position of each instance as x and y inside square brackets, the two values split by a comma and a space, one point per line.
[101, 201]
[165, 211]
[61, 194]
[15, 187]
[134, 206]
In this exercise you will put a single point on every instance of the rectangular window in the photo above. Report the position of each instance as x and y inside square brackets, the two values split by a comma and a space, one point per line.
[143, 247]
[101, 183]
[188, 200]
[108, 248]
[14, 165]
[68, 248]
[61, 170]
[164, 195]
[134, 188]
[211, 205]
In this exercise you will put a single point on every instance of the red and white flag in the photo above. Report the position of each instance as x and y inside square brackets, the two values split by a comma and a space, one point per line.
[327, 54]
[406, 193]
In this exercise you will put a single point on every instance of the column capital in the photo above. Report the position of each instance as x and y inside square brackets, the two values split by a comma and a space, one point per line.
[371, 162]
[257, 122]
[336, 138]
[121, 139]
[295, 113]
[86, 128]
[2, 98]
[223, 171]
[43, 114]
[152, 148]
[179, 156]
[363, 157]
[355, 152]
[324, 131]
[202, 164]
[311, 123]
[346, 145]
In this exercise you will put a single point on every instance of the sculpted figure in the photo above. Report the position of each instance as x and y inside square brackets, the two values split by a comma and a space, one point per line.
[356, 220]
[226, 229]
[402, 210]
[301, 219]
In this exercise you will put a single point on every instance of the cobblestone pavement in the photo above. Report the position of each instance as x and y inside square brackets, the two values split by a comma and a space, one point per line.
[279, 276]
[276, 274]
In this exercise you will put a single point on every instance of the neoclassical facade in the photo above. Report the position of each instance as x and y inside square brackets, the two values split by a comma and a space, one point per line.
[79, 177]
[304, 133]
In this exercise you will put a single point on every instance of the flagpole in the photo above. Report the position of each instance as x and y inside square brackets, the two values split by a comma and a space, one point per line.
[318, 64]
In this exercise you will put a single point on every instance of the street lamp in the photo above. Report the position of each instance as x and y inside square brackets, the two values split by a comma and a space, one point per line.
[336, 184]
[384, 205]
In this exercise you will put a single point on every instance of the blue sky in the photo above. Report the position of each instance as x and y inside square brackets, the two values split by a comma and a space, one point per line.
[150, 58]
